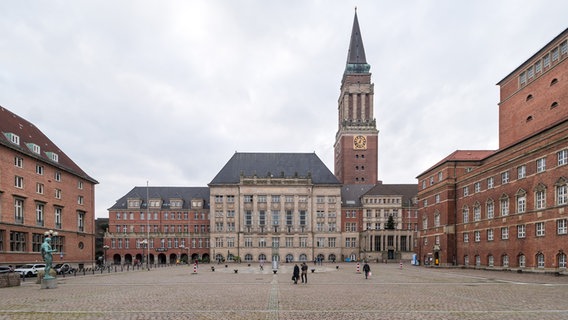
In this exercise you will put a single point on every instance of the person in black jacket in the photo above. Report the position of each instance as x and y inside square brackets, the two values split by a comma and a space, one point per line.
[366, 269]
[296, 274]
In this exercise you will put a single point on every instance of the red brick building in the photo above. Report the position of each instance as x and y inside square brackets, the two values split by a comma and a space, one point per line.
[506, 208]
[42, 189]
[162, 225]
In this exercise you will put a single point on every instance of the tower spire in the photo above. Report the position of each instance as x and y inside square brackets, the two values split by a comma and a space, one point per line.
[356, 59]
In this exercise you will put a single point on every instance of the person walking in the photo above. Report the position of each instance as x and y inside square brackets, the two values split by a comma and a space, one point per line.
[296, 274]
[366, 269]
[304, 272]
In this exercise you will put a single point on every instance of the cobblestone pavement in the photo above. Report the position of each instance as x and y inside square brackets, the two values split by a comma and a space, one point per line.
[391, 293]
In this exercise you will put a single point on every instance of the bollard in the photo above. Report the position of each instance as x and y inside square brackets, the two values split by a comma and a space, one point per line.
[400, 264]
[195, 268]
[358, 268]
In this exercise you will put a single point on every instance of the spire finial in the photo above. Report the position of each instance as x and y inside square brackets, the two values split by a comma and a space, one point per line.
[355, 9]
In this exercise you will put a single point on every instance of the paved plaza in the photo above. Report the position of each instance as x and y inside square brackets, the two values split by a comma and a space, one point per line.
[391, 293]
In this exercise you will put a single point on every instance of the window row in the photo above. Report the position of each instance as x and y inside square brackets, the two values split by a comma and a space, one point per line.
[503, 207]
[521, 231]
[162, 243]
[167, 215]
[521, 261]
[540, 66]
[155, 228]
[40, 215]
[22, 242]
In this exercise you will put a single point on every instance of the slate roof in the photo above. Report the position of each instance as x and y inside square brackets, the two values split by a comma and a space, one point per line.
[164, 193]
[351, 194]
[407, 191]
[275, 164]
[28, 133]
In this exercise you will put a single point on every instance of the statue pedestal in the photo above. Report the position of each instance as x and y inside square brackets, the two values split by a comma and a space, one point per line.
[48, 283]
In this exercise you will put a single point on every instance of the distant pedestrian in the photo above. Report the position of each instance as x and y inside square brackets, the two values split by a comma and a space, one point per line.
[296, 274]
[367, 270]
[304, 272]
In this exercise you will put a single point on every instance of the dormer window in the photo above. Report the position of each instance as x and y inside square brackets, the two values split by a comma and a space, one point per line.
[34, 148]
[53, 156]
[134, 203]
[175, 203]
[155, 203]
[13, 138]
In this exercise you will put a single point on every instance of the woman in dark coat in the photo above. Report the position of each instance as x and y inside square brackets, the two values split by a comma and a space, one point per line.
[296, 274]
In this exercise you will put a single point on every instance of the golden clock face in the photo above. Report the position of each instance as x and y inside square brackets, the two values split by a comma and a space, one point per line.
[360, 142]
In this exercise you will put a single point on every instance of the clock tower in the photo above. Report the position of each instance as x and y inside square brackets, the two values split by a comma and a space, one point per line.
[356, 141]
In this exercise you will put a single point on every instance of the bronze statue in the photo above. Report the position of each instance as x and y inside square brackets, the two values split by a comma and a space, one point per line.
[47, 257]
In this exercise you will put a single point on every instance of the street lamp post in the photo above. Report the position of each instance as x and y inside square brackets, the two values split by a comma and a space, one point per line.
[144, 243]
[105, 248]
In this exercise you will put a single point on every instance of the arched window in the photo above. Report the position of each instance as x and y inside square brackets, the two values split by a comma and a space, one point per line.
[303, 257]
[262, 257]
[505, 261]
[561, 258]
[289, 257]
[553, 82]
[561, 193]
[248, 257]
[540, 260]
[522, 260]
[521, 201]
[476, 212]
[529, 97]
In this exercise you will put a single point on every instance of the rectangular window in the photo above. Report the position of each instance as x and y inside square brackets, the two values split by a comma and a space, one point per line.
[58, 212]
[80, 185]
[504, 233]
[490, 183]
[218, 198]
[504, 207]
[19, 211]
[39, 214]
[530, 72]
[39, 169]
[490, 235]
[19, 162]
[289, 218]
[289, 199]
[554, 54]
[303, 242]
[541, 165]
[465, 191]
[275, 217]
[262, 198]
[39, 188]
[57, 176]
[523, 78]
[275, 199]
[546, 60]
[19, 182]
[521, 172]
[262, 243]
[230, 199]
[80, 200]
[521, 231]
[521, 204]
[262, 218]
[331, 242]
[302, 218]
[538, 66]
[248, 218]
[562, 157]
[539, 229]
[477, 236]
[57, 193]
[80, 221]
[562, 226]
[466, 237]
[289, 242]
[564, 47]
[505, 177]
[248, 198]
[477, 187]
[18, 241]
[540, 199]
[562, 194]
[490, 210]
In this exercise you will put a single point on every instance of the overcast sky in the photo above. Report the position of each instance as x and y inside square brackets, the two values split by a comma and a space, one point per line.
[167, 91]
